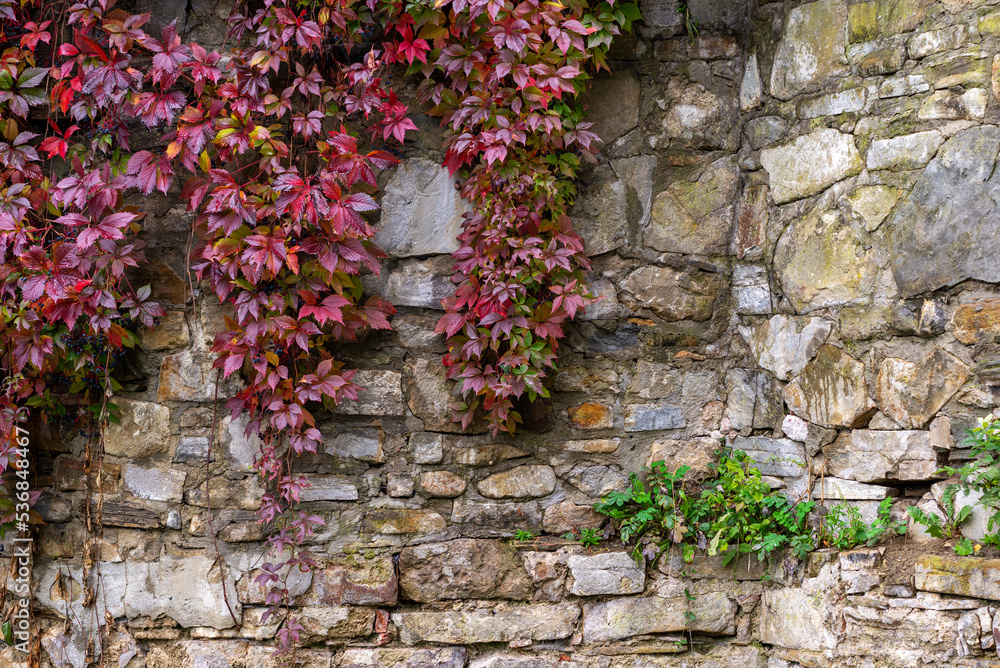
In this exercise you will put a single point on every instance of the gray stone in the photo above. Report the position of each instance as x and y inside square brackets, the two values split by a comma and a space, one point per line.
[765, 130]
[468, 453]
[421, 210]
[426, 448]
[597, 481]
[395, 521]
[751, 290]
[846, 101]
[848, 490]
[241, 450]
[154, 484]
[904, 152]
[174, 519]
[399, 485]
[142, 430]
[192, 450]
[801, 617]
[820, 261]
[935, 41]
[462, 569]
[430, 394]
[751, 88]
[674, 295]
[398, 657]
[381, 393]
[949, 105]
[607, 308]
[831, 391]
[900, 86]
[941, 232]
[874, 203]
[621, 618]
[442, 484]
[651, 417]
[784, 345]
[422, 283]
[600, 214]
[186, 589]
[568, 516]
[361, 444]
[524, 481]
[812, 50]
[352, 579]
[811, 163]
[875, 456]
[190, 376]
[612, 104]
[958, 576]
[696, 216]
[912, 394]
[662, 16]
[330, 488]
[498, 518]
[607, 573]
[484, 625]
[753, 399]
[774, 456]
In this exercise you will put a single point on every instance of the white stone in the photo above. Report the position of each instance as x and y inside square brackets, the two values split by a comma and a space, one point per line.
[751, 89]
[330, 488]
[426, 447]
[795, 428]
[421, 211]
[751, 290]
[813, 48]
[784, 345]
[905, 152]
[154, 484]
[810, 164]
[422, 283]
[838, 489]
[607, 573]
[900, 86]
[928, 43]
[846, 101]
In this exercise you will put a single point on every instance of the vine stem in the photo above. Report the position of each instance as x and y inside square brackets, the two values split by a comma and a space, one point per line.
[208, 501]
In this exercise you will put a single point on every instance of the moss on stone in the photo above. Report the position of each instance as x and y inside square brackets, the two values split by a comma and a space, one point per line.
[862, 22]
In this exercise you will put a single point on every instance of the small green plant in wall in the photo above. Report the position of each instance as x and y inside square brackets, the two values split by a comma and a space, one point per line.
[844, 528]
[733, 512]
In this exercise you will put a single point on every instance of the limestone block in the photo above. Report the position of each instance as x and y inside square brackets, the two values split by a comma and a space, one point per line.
[619, 618]
[607, 573]
[154, 484]
[381, 393]
[674, 295]
[874, 203]
[426, 448]
[754, 400]
[422, 283]
[810, 164]
[698, 453]
[784, 345]
[442, 484]
[820, 261]
[172, 332]
[958, 576]
[142, 430]
[652, 417]
[386, 657]
[935, 41]
[978, 322]
[812, 48]
[498, 518]
[751, 290]
[834, 489]
[905, 151]
[421, 211]
[774, 456]
[523, 481]
[568, 516]
[696, 216]
[363, 444]
[938, 233]
[484, 625]
[873, 456]
[330, 488]
[430, 395]
[463, 569]
[831, 390]
[402, 521]
[912, 394]
[847, 101]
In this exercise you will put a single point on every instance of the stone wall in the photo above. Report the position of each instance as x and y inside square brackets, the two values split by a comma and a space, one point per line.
[794, 232]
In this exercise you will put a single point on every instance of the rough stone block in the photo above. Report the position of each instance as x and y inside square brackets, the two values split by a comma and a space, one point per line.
[521, 482]
[142, 430]
[652, 417]
[619, 618]
[463, 569]
[330, 488]
[381, 394]
[958, 576]
[608, 573]
[154, 484]
[392, 657]
[483, 625]
[401, 521]
[352, 580]
[361, 444]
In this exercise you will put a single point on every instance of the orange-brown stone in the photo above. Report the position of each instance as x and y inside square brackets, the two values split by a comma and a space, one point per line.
[977, 323]
[591, 415]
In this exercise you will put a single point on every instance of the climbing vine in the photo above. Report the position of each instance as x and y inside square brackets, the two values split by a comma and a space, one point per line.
[278, 144]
